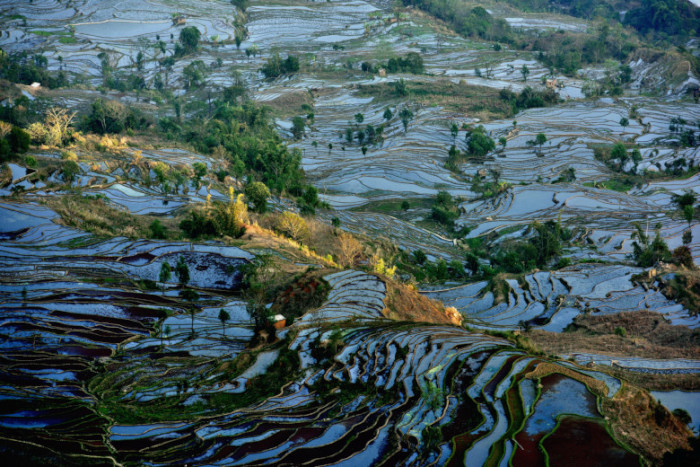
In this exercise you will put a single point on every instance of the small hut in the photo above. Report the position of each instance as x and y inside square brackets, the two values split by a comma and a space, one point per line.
[178, 20]
[279, 321]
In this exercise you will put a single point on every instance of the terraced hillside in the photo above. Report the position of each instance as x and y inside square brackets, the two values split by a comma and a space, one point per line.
[264, 232]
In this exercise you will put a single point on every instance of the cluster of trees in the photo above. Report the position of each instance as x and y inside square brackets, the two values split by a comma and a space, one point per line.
[440, 270]
[686, 205]
[121, 81]
[540, 250]
[684, 132]
[611, 84]
[25, 69]
[445, 210]
[412, 62]
[663, 17]
[108, 116]
[474, 22]
[489, 188]
[478, 144]
[529, 98]
[244, 134]
[308, 201]
[276, 66]
[369, 135]
[545, 244]
[617, 155]
[218, 220]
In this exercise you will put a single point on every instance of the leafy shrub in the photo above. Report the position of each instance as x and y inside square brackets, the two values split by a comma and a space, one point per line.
[157, 229]
[292, 225]
[257, 193]
[275, 66]
[412, 62]
[647, 252]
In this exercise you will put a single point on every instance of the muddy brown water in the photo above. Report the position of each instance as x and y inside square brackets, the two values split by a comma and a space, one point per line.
[585, 443]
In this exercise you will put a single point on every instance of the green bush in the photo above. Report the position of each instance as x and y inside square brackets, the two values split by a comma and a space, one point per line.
[275, 66]
[647, 252]
[257, 193]
[157, 230]
[412, 62]
[19, 140]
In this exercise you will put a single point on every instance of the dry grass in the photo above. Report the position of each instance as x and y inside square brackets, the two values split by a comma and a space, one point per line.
[471, 101]
[323, 240]
[259, 237]
[641, 422]
[648, 336]
[98, 217]
[404, 303]
[654, 381]
[289, 103]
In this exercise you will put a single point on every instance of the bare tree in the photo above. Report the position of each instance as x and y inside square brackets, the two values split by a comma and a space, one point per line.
[348, 249]
[59, 122]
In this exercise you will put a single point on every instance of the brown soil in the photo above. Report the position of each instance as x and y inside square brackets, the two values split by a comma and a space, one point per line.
[641, 422]
[648, 335]
[404, 303]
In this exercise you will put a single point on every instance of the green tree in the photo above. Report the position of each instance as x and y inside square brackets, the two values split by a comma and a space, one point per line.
[400, 88]
[419, 257]
[647, 252]
[223, 317]
[619, 151]
[624, 122]
[454, 131]
[388, 115]
[540, 139]
[688, 213]
[688, 198]
[479, 143]
[182, 271]
[193, 74]
[636, 156]
[189, 39]
[359, 118]
[525, 71]
[157, 229]
[69, 170]
[406, 116]
[298, 125]
[191, 296]
[200, 170]
[19, 140]
[165, 274]
[258, 194]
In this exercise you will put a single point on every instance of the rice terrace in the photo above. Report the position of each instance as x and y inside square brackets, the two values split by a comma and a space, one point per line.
[350, 232]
